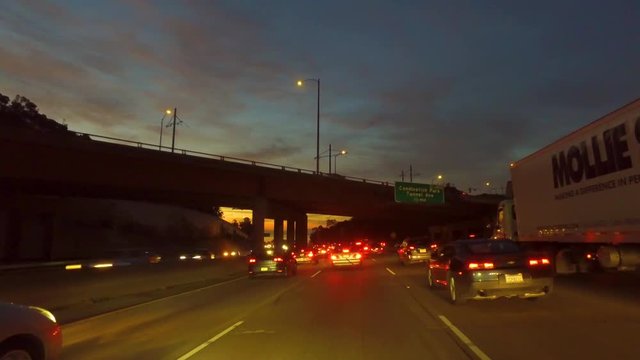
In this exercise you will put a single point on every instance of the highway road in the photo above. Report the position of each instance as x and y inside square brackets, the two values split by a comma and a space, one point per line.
[381, 311]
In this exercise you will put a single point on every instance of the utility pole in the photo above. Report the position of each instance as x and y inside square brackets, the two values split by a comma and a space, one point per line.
[410, 173]
[173, 140]
[402, 175]
[329, 158]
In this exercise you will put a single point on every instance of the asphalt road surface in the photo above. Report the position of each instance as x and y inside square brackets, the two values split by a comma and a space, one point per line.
[381, 311]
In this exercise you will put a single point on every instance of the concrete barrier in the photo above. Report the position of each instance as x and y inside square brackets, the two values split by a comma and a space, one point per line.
[59, 289]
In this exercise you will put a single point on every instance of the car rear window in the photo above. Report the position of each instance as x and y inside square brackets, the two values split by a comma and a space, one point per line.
[418, 242]
[493, 247]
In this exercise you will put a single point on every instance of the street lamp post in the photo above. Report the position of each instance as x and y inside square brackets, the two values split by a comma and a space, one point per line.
[167, 112]
[335, 160]
[330, 155]
[300, 83]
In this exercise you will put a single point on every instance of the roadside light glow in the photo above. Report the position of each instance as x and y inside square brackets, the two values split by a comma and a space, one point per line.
[168, 112]
[226, 253]
[269, 252]
[343, 152]
[487, 183]
[512, 164]
[299, 82]
[233, 253]
[197, 257]
[73, 267]
[102, 266]
[439, 177]
[183, 257]
[285, 247]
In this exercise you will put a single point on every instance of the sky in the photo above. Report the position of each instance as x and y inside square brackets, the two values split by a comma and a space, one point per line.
[457, 88]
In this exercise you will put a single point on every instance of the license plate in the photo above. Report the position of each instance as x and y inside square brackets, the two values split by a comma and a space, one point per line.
[422, 251]
[264, 269]
[515, 278]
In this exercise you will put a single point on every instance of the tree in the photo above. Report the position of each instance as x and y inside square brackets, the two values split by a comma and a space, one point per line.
[246, 226]
[23, 113]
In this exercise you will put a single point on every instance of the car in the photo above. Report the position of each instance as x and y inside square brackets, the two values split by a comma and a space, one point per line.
[488, 269]
[272, 262]
[28, 332]
[346, 256]
[133, 256]
[414, 250]
[196, 255]
[306, 256]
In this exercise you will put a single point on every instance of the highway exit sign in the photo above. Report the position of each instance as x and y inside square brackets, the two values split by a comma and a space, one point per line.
[413, 193]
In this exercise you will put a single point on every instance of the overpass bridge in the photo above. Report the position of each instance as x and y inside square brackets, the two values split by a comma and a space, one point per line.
[84, 165]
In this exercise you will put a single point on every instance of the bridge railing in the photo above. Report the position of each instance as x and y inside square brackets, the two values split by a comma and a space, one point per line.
[143, 145]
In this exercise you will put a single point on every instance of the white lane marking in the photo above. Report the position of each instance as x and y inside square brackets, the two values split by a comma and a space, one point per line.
[390, 271]
[210, 341]
[152, 301]
[476, 350]
[316, 274]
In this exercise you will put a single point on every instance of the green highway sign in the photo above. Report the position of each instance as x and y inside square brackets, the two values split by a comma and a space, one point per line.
[413, 193]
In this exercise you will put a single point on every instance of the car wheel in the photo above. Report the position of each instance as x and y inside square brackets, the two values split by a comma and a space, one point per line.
[18, 350]
[430, 283]
[454, 293]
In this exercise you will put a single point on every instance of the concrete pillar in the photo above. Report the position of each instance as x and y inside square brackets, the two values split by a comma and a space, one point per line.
[259, 214]
[301, 231]
[291, 232]
[278, 230]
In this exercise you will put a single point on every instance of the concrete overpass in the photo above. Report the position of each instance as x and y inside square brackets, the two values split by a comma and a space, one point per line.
[102, 167]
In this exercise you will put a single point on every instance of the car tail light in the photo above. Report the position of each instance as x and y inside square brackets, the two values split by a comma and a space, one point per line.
[411, 247]
[359, 243]
[479, 265]
[366, 248]
[345, 250]
[472, 236]
[541, 261]
[277, 259]
[252, 260]
[333, 257]
[358, 256]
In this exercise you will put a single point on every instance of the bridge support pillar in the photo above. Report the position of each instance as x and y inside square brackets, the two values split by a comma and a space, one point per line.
[291, 232]
[301, 231]
[259, 214]
[278, 231]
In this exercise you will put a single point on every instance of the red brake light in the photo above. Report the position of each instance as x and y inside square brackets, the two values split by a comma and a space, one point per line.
[359, 243]
[471, 236]
[477, 265]
[252, 260]
[366, 248]
[411, 247]
[278, 259]
[536, 262]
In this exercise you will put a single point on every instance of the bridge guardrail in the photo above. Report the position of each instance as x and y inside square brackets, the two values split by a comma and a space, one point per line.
[143, 145]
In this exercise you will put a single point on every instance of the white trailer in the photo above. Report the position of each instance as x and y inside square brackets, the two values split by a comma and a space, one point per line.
[579, 197]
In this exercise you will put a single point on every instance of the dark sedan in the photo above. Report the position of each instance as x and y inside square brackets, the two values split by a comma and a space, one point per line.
[488, 269]
[272, 262]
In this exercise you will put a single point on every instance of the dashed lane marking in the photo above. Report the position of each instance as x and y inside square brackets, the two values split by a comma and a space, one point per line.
[476, 350]
[210, 341]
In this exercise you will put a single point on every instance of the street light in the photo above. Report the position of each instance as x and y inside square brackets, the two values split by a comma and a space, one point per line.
[437, 178]
[300, 83]
[167, 112]
[330, 151]
[335, 160]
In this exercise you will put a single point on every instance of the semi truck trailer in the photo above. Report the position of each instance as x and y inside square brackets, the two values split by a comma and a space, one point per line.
[578, 198]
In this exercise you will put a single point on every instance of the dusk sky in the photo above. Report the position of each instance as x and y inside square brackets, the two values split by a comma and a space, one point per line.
[459, 88]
